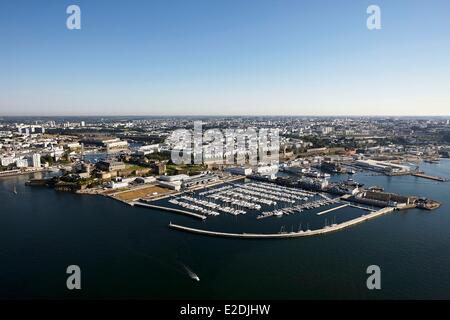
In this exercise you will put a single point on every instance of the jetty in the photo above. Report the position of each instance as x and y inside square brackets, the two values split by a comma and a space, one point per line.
[283, 235]
[332, 209]
[426, 176]
[184, 212]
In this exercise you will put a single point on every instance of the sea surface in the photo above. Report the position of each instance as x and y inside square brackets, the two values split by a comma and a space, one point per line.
[130, 253]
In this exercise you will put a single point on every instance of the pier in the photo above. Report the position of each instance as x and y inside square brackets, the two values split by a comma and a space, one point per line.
[332, 209]
[350, 204]
[184, 212]
[308, 233]
[426, 176]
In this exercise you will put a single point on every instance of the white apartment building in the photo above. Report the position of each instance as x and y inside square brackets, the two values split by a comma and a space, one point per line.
[21, 163]
[6, 161]
[36, 160]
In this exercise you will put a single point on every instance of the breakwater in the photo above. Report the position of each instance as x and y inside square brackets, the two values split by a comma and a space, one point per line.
[307, 233]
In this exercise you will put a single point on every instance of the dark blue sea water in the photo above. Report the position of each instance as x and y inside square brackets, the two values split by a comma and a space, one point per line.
[127, 252]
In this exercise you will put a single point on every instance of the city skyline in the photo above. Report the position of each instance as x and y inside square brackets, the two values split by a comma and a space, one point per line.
[229, 58]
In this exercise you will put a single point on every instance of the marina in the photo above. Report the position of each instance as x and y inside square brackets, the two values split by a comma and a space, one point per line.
[240, 198]
[260, 200]
[237, 203]
[297, 209]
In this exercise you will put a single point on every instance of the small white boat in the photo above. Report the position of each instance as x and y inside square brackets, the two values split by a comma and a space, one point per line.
[278, 214]
[191, 274]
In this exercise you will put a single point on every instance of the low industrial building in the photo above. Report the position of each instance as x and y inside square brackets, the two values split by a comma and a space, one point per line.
[178, 177]
[242, 171]
[173, 185]
[199, 180]
[110, 165]
[384, 199]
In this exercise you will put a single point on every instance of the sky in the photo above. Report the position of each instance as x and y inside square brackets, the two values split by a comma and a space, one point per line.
[225, 57]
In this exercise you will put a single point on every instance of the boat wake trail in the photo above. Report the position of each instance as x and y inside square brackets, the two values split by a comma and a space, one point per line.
[191, 273]
[175, 267]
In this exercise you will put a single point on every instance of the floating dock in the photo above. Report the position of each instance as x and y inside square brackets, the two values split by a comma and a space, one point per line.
[184, 212]
[328, 229]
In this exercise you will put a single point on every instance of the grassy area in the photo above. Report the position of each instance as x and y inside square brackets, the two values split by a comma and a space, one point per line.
[141, 193]
[189, 169]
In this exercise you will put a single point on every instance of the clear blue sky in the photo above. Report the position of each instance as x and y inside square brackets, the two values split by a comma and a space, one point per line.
[190, 57]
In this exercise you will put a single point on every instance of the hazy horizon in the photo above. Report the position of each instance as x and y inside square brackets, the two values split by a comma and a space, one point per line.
[220, 115]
